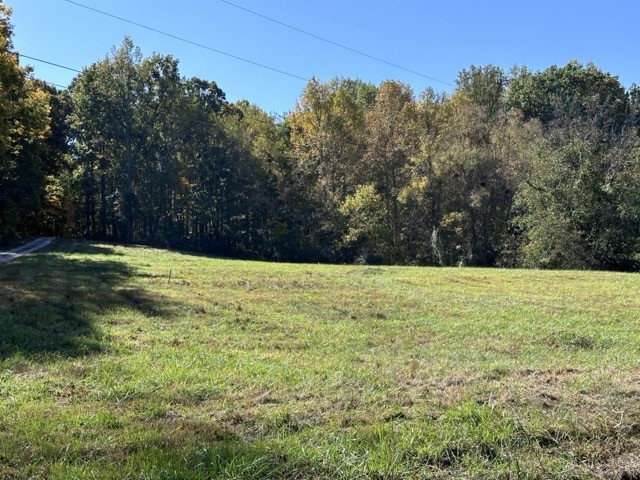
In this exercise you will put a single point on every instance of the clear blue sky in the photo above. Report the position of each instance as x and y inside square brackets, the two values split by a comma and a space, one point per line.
[436, 38]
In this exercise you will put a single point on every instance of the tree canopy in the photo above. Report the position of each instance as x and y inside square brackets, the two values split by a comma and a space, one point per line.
[537, 169]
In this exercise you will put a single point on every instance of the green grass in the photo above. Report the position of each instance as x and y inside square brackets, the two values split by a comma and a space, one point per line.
[239, 369]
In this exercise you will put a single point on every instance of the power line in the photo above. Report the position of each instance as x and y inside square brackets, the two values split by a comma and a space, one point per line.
[55, 84]
[182, 39]
[340, 45]
[20, 55]
[49, 63]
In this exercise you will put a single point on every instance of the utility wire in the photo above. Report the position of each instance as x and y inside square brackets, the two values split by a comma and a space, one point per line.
[49, 63]
[340, 45]
[182, 39]
[55, 84]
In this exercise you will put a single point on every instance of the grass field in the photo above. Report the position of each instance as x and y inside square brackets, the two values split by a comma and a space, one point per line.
[238, 369]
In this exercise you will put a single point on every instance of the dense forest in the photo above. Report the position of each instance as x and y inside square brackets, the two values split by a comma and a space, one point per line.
[521, 168]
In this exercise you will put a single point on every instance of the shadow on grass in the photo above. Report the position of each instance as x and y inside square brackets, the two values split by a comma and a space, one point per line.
[90, 249]
[49, 301]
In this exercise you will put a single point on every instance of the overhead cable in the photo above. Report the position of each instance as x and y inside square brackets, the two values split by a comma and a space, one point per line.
[190, 42]
[340, 45]
[49, 63]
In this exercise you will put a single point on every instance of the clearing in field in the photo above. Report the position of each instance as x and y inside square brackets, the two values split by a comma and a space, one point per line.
[239, 369]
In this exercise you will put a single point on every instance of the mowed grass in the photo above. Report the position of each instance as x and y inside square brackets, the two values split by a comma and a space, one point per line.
[239, 369]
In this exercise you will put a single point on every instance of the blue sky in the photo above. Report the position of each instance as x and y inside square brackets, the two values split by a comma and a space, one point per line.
[435, 38]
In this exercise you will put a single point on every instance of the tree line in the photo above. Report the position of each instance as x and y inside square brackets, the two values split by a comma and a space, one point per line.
[521, 168]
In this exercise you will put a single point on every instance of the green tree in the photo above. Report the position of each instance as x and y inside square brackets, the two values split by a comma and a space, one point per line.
[484, 86]
[558, 96]
[579, 204]
[328, 138]
[106, 110]
[24, 125]
[127, 120]
[392, 127]
[576, 203]
[634, 106]
[463, 182]
[365, 213]
[54, 217]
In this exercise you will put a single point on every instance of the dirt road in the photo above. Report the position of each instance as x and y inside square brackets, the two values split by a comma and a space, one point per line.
[32, 246]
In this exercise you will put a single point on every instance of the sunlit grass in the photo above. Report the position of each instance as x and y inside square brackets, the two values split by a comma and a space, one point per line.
[238, 369]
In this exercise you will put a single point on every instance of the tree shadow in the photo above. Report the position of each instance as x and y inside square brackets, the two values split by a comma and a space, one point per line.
[90, 249]
[49, 302]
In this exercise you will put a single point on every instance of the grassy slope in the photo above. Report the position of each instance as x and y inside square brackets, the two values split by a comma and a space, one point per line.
[248, 369]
